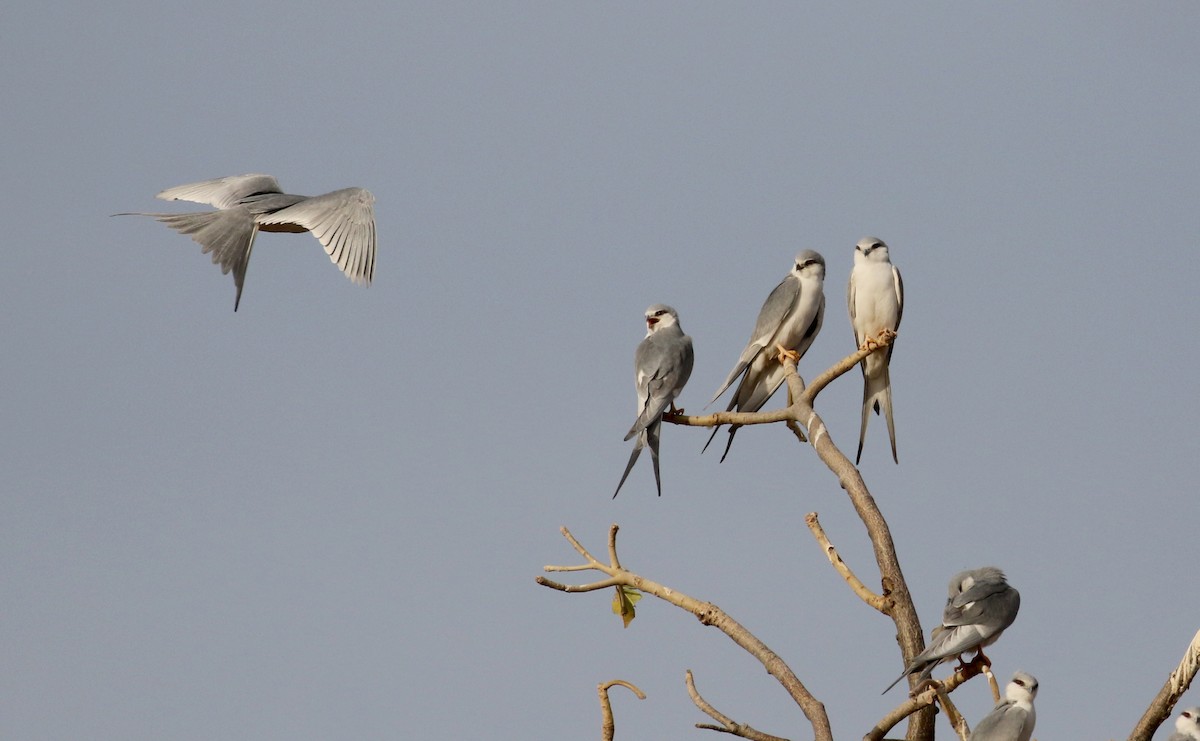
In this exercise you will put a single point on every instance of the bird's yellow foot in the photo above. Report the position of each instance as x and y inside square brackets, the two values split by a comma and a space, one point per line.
[786, 353]
[885, 337]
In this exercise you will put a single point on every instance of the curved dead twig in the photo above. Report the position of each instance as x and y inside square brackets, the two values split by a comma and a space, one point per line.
[608, 726]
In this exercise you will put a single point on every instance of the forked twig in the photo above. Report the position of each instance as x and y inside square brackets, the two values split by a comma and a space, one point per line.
[707, 613]
[728, 725]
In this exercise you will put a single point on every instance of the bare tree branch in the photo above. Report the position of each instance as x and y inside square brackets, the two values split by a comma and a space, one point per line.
[708, 614]
[897, 599]
[925, 697]
[886, 338]
[894, 588]
[992, 683]
[957, 721]
[866, 595]
[608, 727]
[603, 584]
[727, 723]
[1164, 702]
[796, 390]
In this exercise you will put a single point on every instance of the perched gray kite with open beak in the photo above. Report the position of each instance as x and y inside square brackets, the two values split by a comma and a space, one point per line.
[661, 367]
[1013, 717]
[790, 319]
[342, 221]
[1187, 726]
[876, 299]
[980, 606]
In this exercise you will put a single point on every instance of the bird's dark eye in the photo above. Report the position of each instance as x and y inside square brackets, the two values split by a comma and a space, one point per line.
[660, 312]
[1019, 682]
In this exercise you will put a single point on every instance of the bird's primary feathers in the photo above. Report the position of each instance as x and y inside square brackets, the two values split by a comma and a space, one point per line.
[979, 607]
[342, 221]
[876, 299]
[662, 365]
[1013, 717]
[791, 317]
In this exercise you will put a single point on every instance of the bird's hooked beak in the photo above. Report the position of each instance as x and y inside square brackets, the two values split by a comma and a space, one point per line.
[651, 321]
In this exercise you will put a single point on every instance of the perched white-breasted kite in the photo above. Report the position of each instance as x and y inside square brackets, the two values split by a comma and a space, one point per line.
[1013, 717]
[662, 365]
[980, 606]
[790, 318]
[876, 299]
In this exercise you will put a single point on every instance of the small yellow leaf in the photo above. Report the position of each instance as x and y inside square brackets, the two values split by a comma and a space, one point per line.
[623, 603]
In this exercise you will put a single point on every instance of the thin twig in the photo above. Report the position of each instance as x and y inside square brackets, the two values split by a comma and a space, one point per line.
[575, 544]
[608, 727]
[886, 338]
[797, 392]
[923, 699]
[604, 584]
[708, 614]
[955, 718]
[612, 546]
[992, 683]
[866, 595]
[727, 724]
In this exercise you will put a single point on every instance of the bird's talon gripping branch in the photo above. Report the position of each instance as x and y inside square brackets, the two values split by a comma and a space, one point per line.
[786, 353]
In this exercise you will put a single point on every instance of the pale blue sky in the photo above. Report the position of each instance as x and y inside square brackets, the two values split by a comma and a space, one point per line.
[321, 517]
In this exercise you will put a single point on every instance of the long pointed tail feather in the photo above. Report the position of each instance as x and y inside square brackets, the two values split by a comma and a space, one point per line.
[877, 395]
[228, 235]
[637, 450]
